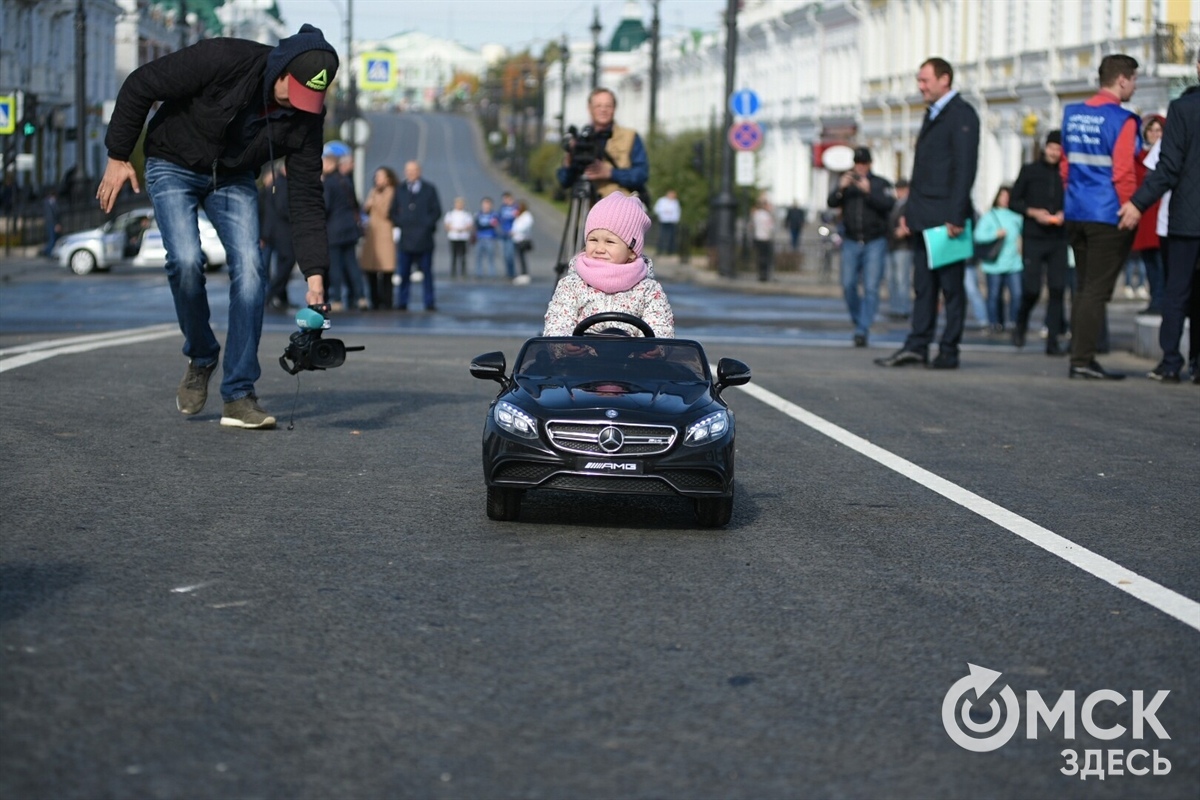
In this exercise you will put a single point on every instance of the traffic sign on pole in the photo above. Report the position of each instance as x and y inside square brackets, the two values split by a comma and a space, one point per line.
[8, 115]
[744, 168]
[744, 103]
[745, 135]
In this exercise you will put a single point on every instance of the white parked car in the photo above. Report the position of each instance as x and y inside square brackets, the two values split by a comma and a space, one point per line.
[100, 248]
[130, 235]
[153, 254]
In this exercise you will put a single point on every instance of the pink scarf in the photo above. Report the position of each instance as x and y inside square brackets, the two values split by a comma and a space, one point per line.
[610, 278]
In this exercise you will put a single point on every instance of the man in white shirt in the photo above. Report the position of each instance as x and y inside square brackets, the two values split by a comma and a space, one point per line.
[668, 212]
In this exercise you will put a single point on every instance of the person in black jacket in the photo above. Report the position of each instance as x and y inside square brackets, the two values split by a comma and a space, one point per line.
[229, 106]
[1038, 197]
[1178, 169]
[865, 199]
[344, 228]
[944, 166]
[417, 212]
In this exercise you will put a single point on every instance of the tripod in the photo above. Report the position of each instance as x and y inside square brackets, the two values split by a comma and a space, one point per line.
[582, 194]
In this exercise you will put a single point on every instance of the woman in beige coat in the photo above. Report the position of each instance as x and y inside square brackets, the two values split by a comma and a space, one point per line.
[379, 248]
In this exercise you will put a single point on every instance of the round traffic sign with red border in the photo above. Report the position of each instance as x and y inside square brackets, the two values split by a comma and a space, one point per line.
[745, 135]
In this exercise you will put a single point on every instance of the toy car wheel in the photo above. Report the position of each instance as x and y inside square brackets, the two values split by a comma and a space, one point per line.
[503, 504]
[82, 262]
[714, 512]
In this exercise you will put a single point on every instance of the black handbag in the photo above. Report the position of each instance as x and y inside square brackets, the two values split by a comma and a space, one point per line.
[988, 251]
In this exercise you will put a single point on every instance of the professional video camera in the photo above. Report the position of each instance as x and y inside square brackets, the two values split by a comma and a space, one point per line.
[307, 350]
[584, 146]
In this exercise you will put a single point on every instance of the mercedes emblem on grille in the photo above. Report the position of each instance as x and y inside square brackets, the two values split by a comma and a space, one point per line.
[611, 439]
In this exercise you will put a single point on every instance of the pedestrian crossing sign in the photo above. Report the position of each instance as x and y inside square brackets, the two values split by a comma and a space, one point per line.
[378, 71]
[8, 115]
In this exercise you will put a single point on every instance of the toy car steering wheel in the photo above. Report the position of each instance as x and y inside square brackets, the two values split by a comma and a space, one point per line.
[613, 316]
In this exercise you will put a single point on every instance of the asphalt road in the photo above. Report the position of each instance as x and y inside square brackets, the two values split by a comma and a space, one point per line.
[192, 611]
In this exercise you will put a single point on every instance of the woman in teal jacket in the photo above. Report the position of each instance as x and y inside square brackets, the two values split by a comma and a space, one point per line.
[1005, 271]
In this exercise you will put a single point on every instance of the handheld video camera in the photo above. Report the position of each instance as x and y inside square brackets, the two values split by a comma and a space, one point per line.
[584, 146]
[307, 350]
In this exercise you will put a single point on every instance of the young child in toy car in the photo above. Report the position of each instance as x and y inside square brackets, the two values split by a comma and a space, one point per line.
[611, 274]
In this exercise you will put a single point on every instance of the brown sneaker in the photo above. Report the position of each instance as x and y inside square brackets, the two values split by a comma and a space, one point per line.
[193, 389]
[246, 413]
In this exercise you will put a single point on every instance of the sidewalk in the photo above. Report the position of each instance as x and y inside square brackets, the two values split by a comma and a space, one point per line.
[800, 283]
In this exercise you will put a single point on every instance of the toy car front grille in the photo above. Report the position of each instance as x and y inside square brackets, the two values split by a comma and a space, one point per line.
[637, 440]
[608, 483]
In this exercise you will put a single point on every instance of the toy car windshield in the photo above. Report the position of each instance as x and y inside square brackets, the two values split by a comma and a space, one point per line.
[617, 358]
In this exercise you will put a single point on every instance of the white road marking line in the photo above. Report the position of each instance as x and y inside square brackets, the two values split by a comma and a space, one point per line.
[50, 344]
[40, 351]
[1160, 597]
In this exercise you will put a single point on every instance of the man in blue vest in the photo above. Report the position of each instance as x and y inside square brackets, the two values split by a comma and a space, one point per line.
[1100, 140]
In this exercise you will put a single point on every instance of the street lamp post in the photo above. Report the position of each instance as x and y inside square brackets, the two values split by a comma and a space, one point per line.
[564, 54]
[724, 205]
[81, 180]
[596, 29]
[654, 33]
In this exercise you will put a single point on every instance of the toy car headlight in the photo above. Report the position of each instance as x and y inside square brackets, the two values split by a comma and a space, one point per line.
[708, 429]
[515, 421]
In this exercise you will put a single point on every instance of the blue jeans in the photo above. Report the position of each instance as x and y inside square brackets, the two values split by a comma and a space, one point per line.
[863, 261]
[996, 284]
[974, 296]
[899, 281]
[485, 248]
[232, 206]
[510, 256]
[424, 262]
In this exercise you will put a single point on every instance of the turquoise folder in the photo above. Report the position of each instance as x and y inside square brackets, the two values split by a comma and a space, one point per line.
[943, 250]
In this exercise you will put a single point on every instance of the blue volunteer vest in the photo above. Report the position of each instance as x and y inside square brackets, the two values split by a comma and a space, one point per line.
[1089, 134]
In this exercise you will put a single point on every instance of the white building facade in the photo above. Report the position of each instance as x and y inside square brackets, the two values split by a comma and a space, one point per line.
[844, 72]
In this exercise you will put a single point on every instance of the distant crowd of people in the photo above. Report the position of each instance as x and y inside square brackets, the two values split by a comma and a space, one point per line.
[1109, 194]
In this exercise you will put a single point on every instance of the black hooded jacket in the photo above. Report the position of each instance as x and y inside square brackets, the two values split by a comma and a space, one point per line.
[207, 91]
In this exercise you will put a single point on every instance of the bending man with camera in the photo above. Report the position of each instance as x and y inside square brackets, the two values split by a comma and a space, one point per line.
[610, 157]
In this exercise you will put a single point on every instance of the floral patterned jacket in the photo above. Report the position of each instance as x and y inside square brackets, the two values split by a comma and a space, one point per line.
[574, 300]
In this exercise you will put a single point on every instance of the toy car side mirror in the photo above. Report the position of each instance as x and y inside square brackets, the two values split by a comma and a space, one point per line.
[731, 372]
[490, 366]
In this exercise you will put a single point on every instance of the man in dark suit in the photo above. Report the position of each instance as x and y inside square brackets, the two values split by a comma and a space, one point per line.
[944, 166]
[1178, 169]
[417, 212]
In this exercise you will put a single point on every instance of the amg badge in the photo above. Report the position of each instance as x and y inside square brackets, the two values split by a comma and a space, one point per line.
[614, 466]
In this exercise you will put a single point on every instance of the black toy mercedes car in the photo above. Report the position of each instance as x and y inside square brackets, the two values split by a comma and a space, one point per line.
[611, 414]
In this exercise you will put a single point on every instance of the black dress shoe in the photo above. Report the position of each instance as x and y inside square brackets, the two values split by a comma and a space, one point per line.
[1018, 336]
[1162, 376]
[1094, 371]
[860, 340]
[901, 358]
[1053, 348]
[944, 361]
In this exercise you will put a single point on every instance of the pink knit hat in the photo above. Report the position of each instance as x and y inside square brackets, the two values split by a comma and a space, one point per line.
[623, 215]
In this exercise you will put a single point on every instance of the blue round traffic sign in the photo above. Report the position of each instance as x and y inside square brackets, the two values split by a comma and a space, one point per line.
[744, 103]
